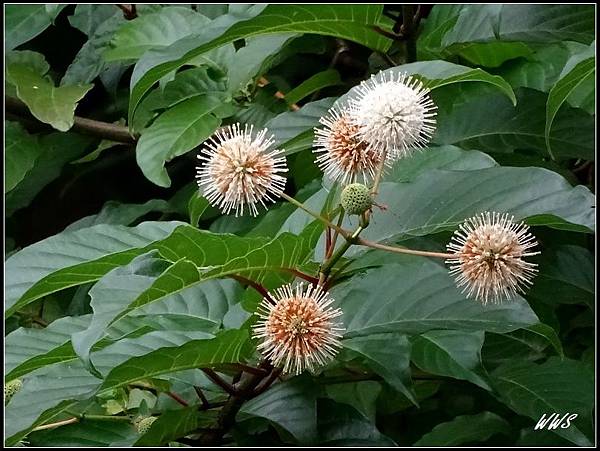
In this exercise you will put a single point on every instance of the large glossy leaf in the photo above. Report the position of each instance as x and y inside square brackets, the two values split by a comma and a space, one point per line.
[388, 355]
[486, 120]
[465, 429]
[49, 104]
[20, 153]
[87, 18]
[417, 297]
[360, 395]
[154, 30]
[291, 405]
[583, 72]
[25, 22]
[28, 349]
[85, 256]
[347, 22]
[450, 353]
[117, 288]
[68, 383]
[174, 133]
[555, 386]
[230, 346]
[89, 433]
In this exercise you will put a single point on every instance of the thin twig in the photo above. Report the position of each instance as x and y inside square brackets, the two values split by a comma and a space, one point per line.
[401, 250]
[55, 425]
[251, 283]
[202, 397]
[267, 383]
[244, 368]
[84, 125]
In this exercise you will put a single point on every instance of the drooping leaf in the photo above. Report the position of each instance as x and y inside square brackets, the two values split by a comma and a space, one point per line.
[329, 77]
[174, 133]
[92, 433]
[554, 386]
[465, 429]
[342, 425]
[360, 395]
[568, 83]
[388, 355]
[49, 104]
[291, 405]
[450, 353]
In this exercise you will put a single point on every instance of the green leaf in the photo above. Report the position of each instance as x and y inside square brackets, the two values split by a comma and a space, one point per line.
[293, 130]
[228, 347]
[564, 87]
[320, 80]
[119, 287]
[174, 133]
[85, 256]
[389, 356]
[465, 429]
[528, 343]
[347, 22]
[89, 62]
[21, 151]
[254, 59]
[360, 395]
[436, 74]
[487, 121]
[174, 424]
[25, 22]
[291, 405]
[124, 214]
[490, 54]
[88, 18]
[49, 104]
[450, 353]
[555, 386]
[29, 349]
[342, 425]
[416, 297]
[547, 23]
[154, 30]
[93, 433]
[196, 207]
[566, 276]
[57, 149]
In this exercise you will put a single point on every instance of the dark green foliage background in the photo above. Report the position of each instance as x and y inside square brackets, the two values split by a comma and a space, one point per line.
[119, 274]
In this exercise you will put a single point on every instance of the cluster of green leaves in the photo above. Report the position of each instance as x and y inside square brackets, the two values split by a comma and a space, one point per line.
[108, 316]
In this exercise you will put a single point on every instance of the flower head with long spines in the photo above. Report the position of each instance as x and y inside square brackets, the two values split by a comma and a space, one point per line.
[240, 170]
[393, 113]
[489, 261]
[297, 328]
[342, 155]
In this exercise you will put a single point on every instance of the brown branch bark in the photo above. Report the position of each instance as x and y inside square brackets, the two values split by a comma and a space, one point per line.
[84, 125]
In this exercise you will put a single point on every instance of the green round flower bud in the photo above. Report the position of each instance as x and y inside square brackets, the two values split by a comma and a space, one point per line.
[144, 424]
[10, 388]
[356, 199]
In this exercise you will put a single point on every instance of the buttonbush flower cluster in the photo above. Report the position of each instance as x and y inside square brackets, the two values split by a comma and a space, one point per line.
[386, 118]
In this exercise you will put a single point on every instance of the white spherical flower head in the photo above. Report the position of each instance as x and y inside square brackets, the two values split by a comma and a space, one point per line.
[342, 155]
[394, 114]
[489, 261]
[297, 328]
[240, 171]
